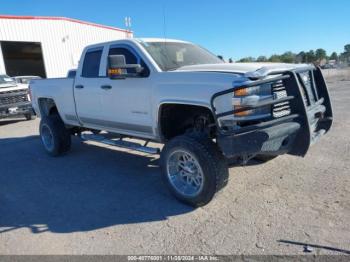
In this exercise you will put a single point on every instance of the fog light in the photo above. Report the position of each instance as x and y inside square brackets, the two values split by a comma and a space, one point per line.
[242, 113]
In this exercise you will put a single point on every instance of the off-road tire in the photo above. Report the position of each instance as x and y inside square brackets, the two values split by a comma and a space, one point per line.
[61, 138]
[211, 160]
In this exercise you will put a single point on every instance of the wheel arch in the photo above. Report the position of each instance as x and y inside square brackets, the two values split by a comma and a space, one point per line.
[189, 108]
[47, 106]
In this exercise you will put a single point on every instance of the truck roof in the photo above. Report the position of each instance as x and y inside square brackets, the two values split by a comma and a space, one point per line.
[160, 40]
[138, 40]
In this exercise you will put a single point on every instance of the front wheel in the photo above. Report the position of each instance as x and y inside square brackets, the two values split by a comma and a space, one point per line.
[54, 135]
[194, 169]
[30, 116]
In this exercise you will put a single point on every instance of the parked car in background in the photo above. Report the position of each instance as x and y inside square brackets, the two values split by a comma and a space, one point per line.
[328, 66]
[14, 99]
[25, 79]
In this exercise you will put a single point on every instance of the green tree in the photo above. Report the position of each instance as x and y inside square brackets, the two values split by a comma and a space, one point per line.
[334, 56]
[310, 57]
[320, 54]
[342, 57]
[247, 59]
[275, 58]
[346, 54]
[301, 57]
[261, 59]
[347, 48]
[288, 57]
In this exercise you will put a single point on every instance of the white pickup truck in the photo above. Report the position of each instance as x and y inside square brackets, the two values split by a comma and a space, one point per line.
[14, 99]
[205, 111]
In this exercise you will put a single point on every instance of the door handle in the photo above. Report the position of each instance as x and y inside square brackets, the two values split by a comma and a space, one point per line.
[106, 87]
[79, 86]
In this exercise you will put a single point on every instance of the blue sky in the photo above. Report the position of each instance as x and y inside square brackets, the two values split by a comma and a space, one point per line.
[233, 28]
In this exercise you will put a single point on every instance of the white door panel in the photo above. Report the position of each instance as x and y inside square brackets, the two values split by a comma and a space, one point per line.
[113, 104]
[128, 102]
[89, 98]
[87, 91]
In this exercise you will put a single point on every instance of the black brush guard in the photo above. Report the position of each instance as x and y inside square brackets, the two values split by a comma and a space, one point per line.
[310, 117]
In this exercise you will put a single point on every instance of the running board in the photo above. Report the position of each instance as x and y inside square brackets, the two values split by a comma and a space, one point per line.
[120, 143]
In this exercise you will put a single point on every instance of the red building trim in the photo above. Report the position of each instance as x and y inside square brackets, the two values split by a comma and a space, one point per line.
[62, 19]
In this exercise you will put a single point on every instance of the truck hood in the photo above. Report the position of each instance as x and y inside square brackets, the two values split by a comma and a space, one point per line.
[252, 70]
[12, 87]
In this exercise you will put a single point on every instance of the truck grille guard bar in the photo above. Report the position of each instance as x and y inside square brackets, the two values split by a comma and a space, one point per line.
[309, 103]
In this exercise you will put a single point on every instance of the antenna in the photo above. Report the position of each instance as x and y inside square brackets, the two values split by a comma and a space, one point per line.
[128, 25]
[164, 31]
[164, 22]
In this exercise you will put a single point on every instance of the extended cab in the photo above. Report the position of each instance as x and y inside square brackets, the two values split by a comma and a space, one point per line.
[205, 111]
[14, 99]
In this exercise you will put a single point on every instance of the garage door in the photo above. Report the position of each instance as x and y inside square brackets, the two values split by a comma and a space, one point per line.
[23, 58]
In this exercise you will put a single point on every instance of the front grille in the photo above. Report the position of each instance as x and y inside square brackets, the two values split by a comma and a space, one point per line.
[13, 97]
[279, 91]
[307, 87]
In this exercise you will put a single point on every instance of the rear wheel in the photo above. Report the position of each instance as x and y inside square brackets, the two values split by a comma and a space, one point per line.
[54, 135]
[194, 169]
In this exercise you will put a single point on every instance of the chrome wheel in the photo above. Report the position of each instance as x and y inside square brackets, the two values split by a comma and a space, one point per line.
[47, 138]
[184, 173]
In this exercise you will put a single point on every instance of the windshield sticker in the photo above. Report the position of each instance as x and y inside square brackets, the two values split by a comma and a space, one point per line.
[179, 56]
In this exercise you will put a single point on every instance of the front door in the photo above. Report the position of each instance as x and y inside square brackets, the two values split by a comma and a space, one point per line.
[126, 103]
[118, 105]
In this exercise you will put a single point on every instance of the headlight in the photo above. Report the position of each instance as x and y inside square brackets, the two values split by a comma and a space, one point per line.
[246, 91]
[250, 96]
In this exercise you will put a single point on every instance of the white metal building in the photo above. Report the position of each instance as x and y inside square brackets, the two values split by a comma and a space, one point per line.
[48, 46]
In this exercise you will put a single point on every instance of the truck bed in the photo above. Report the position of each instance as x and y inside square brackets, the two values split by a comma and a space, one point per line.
[58, 89]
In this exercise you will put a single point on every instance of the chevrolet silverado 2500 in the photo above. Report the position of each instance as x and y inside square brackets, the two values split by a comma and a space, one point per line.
[14, 99]
[203, 110]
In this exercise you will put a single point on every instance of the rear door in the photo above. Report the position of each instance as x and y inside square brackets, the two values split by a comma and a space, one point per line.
[87, 91]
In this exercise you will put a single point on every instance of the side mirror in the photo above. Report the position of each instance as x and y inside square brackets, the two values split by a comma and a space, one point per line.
[118, 69]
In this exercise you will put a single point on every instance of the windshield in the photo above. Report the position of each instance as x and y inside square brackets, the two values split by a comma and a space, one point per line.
[173, 55]
[4, 79]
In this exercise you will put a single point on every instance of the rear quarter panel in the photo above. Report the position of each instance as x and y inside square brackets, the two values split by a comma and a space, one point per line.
[58, 89]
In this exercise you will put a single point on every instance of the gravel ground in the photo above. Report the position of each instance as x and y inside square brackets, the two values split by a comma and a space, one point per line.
[99, 200]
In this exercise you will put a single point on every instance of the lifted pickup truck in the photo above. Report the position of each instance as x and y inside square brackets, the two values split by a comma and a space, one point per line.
[205, 111]
[14, 99]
